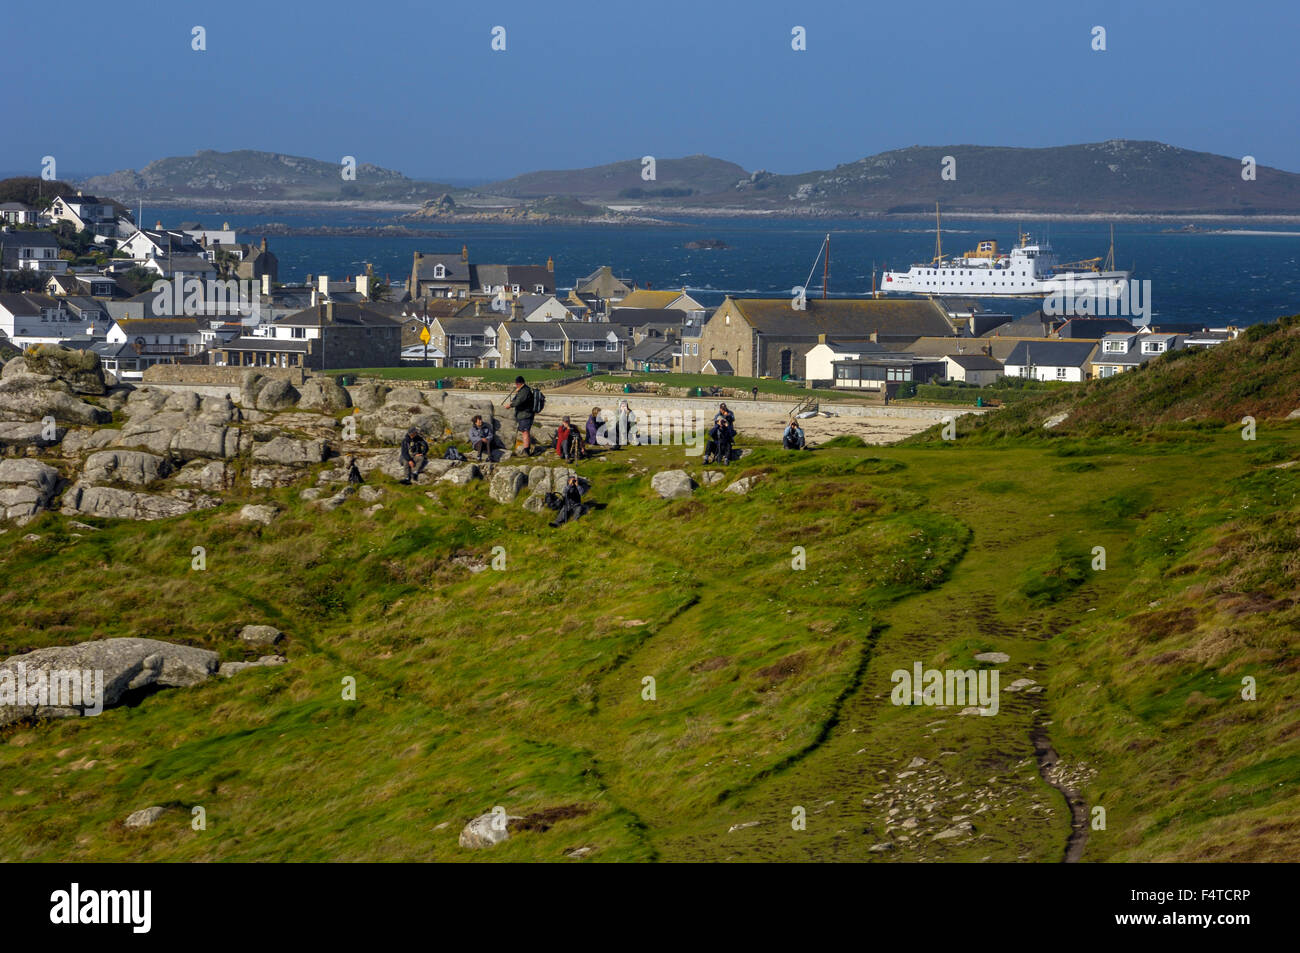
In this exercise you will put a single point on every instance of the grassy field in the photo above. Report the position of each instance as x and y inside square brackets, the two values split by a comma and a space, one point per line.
[505, 375]
[771, 685]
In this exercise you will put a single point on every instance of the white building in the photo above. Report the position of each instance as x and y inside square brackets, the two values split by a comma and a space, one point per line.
[978, 369]
[1050, 360]
[819, 362]
[31, 318]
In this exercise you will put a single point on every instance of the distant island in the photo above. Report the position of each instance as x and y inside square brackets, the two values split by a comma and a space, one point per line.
[1118, 178]
[710, 244]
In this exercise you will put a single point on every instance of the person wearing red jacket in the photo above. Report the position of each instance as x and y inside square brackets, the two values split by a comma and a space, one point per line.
[566, 441]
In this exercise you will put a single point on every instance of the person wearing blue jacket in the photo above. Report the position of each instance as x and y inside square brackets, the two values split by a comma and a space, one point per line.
[793, 438]
[480, 437]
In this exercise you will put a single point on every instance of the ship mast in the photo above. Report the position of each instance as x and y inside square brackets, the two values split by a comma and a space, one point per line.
[1110, 255]
[826, 266]
[938, 236]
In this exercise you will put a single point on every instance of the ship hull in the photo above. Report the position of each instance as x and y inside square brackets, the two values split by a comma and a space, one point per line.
[992, 283]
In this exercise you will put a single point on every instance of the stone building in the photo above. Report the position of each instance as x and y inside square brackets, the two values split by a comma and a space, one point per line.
[757, 337]
[329, 336]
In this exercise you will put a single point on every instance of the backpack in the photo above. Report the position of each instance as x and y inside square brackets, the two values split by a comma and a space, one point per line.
[454, 454]
[553, 500]
[539, 400]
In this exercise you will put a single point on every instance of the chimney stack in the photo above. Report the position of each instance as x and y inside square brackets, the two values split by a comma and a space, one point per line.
[263, 243]
[464, 253]
[550, 264]
[266, 283]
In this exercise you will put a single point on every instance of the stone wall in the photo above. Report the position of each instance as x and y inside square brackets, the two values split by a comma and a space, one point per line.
[211, 374]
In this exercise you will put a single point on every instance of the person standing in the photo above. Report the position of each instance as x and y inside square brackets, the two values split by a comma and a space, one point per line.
[625, 431]
[521, 401]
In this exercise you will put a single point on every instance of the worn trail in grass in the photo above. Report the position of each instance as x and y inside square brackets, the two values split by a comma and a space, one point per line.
[648, 678]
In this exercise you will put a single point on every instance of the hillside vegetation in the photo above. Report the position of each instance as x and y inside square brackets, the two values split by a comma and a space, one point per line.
[250, 174]
[1257, 375]
[771, 685]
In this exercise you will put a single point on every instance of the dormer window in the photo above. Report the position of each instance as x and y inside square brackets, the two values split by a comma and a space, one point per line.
[440, 271]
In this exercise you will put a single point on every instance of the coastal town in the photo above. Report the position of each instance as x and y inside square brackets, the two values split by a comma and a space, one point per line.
[81, 273]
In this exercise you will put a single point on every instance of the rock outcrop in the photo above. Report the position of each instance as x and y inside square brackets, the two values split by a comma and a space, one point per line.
[290, 452]
[81, 370]
[487, 830]
[672, 484]
[26, 487]
[323, 393]
[33, 397]
[113, 503]
[117, 666]
[125, 466]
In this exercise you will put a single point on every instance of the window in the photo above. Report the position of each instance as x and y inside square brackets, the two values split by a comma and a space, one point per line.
[460, 340]
[554, 346]
[1060, 373]
[586, 346]
[463, 362]
[1115, 347]
[611, 346]
[524, 346]
[297, 332]
[539, 289]
[439, 271]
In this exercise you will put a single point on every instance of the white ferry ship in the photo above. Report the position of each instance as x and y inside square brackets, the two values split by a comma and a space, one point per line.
[1031, 270]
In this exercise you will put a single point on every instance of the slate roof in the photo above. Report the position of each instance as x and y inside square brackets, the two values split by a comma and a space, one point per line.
[653, 349]
[527, 277]
[844, 318]
[975, 362]
[34, 239]
[456, 269]
[459, 325]
[1093, 329]
[1051, 353]
[340, 313]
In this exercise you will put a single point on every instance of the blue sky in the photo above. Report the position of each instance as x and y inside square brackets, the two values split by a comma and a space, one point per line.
[415, 86]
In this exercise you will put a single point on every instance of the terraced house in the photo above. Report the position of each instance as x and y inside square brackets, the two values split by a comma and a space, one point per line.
[467, 341]
[563, 343]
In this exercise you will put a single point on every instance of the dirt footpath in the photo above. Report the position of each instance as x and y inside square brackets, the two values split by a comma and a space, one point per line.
[819, 429]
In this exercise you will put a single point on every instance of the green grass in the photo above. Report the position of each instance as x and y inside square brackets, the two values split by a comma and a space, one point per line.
[525, 688]
[504, 375]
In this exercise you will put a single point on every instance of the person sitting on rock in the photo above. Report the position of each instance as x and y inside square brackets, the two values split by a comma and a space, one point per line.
[727, 415]
[568, 444]
[353, 473]
[571, 505]
[593, 427]
[480, 437]
[414, 455]
[793, 437]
